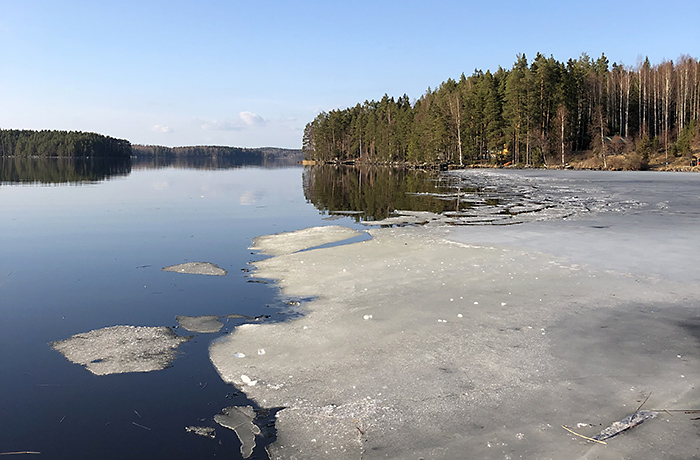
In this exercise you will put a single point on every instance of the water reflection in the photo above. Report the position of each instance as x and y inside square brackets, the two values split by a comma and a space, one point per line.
[392, 196]
[16, 170]
[211, 162]
[375, 192]
[61, 170]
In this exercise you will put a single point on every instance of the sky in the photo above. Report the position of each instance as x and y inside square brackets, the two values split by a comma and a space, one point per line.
[254, 73]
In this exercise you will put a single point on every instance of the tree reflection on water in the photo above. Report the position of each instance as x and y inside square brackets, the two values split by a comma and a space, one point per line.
[61, 170]
[375, 192]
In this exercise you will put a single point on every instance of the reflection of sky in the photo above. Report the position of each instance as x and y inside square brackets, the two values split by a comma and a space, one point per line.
[251, 197]
[157, 194]
[151, 217]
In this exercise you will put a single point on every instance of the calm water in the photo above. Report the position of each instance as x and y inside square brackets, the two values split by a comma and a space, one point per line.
[83, 244]
[82, 249]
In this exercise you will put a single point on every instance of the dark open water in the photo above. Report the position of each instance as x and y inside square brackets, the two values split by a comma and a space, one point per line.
[82, 247]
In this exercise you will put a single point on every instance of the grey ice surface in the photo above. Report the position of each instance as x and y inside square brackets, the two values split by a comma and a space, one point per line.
[121, 349]
[240, 420]
[441, 340]
[196, 268]
[202, 324]
[642, 223]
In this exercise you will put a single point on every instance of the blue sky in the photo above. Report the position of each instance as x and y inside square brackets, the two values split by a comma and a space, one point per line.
[254, 73]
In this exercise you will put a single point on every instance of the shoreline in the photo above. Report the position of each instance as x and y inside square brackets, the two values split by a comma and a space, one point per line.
[455, 167]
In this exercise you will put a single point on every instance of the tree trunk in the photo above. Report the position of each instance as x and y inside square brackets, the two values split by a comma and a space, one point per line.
[562, 144]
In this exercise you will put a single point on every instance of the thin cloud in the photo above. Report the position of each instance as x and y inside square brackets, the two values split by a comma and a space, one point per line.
[221, 126]
[161, 129]
[245, 120]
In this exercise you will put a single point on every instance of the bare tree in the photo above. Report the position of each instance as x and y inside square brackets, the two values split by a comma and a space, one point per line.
[667, 76]
[455, 111]
[626, 84]
[561, 123]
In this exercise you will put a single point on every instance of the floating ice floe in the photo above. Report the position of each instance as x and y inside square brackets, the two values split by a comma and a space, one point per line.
[204, 431]
[240, 420]
[196, 268]
[121, 349]
[202, 324]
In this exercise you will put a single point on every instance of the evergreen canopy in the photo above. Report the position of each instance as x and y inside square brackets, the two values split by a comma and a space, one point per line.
[533, 113]
[73, 144]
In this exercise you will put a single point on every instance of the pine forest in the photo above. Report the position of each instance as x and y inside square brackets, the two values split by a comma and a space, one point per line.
[71, 144]
[538, 113]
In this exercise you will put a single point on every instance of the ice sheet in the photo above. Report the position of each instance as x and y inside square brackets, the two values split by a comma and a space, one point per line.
[432, 342]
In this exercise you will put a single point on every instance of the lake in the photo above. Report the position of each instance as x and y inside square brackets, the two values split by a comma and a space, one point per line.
[83, 245]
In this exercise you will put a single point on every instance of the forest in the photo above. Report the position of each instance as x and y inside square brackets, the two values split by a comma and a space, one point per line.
[538, 113]
[72, 144]
[214, 157]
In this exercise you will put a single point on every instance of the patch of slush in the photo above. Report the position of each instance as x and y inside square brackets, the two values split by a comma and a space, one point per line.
[489, 380]
[196, 268]
[240, 420]
[121, 349]
[202, 324]
[288, 243]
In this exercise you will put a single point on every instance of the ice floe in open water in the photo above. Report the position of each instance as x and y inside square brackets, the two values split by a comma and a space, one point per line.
[196, 268]
[202, 324]
[121, 349]
[240, 420]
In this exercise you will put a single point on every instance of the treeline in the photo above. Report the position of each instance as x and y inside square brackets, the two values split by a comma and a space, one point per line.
[73, 144]
[533, 113]
[213, 157]
[214, 151]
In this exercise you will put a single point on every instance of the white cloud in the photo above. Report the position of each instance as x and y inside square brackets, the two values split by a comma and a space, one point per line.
[245, 120]
[216, 125]
[161, 129]
[251, 119]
